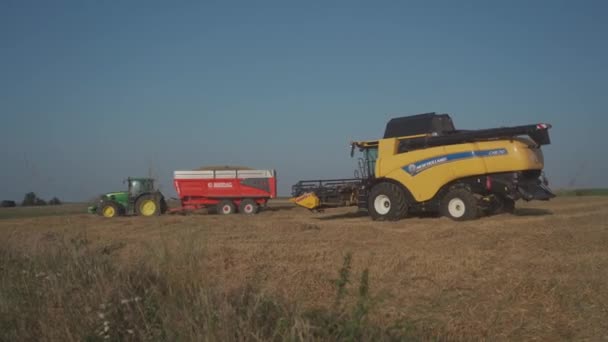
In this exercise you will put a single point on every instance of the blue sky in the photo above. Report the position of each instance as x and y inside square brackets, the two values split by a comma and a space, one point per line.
[94, 91]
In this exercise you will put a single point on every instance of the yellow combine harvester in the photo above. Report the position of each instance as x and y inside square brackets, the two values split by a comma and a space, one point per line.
[423, 164]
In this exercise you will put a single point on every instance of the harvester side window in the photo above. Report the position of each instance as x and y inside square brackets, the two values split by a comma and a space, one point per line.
[371, 154]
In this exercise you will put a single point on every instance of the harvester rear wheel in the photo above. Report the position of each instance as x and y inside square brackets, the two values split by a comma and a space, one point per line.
[387, 202]
[508, 205]
[502, 205]
[148, 205]
[459, 205]
[248, 207]
[226, 207]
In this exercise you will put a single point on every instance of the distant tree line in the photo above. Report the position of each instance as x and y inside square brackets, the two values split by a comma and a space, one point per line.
[29, 200]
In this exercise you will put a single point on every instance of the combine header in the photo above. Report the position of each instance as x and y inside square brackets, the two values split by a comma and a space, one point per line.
[319, 194]
[424, 164]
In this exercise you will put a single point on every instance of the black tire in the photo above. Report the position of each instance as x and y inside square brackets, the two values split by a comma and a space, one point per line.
[148, 205]
[163, 206]
[508, 206]
[387, 202]
[109, 209]
[502, 205]
[225, 207]
[459, 205]
[248, 207]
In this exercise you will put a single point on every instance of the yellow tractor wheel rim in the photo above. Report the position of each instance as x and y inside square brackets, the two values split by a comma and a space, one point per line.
[148, 208]
[109, 211]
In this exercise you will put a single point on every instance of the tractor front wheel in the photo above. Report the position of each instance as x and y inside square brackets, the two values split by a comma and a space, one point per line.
[148, 205]
[109, 209]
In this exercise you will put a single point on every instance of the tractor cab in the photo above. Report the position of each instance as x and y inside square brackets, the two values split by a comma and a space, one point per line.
[138, 186]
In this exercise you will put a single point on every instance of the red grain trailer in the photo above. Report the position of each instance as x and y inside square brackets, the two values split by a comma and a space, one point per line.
[227, 190]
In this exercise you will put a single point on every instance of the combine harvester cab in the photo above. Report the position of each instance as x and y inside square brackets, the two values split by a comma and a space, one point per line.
[424, 164]
[229, 191]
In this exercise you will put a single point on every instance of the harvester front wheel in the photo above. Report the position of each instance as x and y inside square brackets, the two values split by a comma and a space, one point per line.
[387, 202]
[226, 207]
[248, 207]
[459, 205]
[148, 205]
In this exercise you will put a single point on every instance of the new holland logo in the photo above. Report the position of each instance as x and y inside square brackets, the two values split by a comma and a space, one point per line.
[422, 165]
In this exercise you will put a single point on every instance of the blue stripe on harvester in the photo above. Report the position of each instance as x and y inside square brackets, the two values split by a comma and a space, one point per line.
[419, 166]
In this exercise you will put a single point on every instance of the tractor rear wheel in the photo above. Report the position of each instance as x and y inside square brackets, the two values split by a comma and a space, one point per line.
[387, 202]
[109, 209]
[148, 205]
[248, 207]
[226, 207]
[459, 205]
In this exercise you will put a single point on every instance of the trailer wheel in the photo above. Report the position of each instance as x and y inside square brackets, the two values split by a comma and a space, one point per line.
[459, 205]
[248, 207]
[387, 202]
[147, 205]
[226, 207]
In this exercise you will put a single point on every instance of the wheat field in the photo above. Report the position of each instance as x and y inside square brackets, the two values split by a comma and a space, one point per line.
[289, 274]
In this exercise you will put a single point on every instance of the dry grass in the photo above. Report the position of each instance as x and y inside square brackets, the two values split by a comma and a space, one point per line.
[536, 275]
[39, 211]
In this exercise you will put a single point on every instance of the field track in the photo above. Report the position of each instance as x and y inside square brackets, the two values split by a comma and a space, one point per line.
[539, 274]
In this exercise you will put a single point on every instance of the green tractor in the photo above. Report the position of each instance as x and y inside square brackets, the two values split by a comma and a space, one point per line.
[140, 199]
